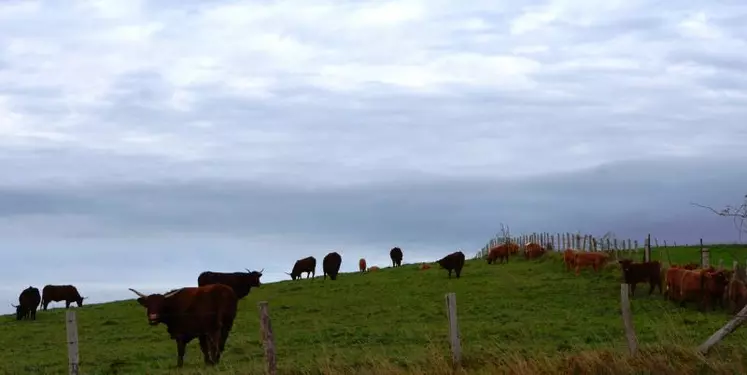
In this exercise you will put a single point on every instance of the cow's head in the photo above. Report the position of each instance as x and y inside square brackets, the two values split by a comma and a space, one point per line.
[254, 277]
[155, 304]
[625, 264]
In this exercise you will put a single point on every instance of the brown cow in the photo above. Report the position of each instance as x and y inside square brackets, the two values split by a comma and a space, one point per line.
[331, 265]
[373, 268]
[240, 282]
[498, 252]
[634, 273]
[28, 301]
[362, 265]
[714, 287]
[307, 265]
[672, 278]
[57, 293]
[513, 248]
[594, 259]
[736, 295]
[205, 312]
[691, 287]
[533, 250]
[425, 266]
[396, 255]
[453, 262]
[569, 256]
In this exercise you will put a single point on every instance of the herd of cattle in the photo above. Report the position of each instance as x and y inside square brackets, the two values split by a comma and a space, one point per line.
[207, 311]
[683, 283]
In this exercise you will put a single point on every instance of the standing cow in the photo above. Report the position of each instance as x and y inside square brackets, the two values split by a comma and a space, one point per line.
[240, 282]
[452, 262]
[500, 252]
[362, 265]
[206, 313]
[57, 293]
[307, 265]
[396, 254]
[28, 301]
[331, 265]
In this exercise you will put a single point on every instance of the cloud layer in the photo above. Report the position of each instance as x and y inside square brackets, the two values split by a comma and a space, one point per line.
[133, 128]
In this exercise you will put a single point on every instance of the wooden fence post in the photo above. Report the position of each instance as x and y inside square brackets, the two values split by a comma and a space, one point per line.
[724, 331]
[647, 250]
[705, 262]
[628, 318]
[71, 324]
[456, 345]
[268, 340]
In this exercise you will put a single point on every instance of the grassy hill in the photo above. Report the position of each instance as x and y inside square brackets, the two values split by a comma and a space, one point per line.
[521, 318]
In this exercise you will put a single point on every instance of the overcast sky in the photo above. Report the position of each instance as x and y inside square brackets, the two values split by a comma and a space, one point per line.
[144, 142]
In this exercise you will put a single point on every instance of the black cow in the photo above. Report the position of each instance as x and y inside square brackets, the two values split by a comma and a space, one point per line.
[453, 261]
[206, 313]
[634, 273]
[57, 293]
[331, 265]
[307, 265]
[396, 254]
[240, 282]
[28, 301]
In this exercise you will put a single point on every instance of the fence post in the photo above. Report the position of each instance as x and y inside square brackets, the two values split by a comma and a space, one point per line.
[456, 346]
[268, 340]
[704, 255]
[628, 318]
[647, 250]
[728, 328]
[71, 325]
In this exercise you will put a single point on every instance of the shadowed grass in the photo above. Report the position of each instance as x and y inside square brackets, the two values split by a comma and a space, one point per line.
[519, 318]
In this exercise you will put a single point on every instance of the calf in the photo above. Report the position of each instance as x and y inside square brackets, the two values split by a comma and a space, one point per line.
[533, 250]
[452, 262]
[373, 268]
[634, 273]
[595, 260]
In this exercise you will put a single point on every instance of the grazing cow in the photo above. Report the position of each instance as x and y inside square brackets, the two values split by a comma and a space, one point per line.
[569, 257]
[204, 312]
[513, 248]
[240, 282]
[396, 254]
[594, 259]
[307, 265]
[331, 265]
[533, 250]
[373, 268]
[28, 301]
[425, 266]
[498, 252]
[362, 265]
[57, 293]
[452, 262]
[736, 295]
[634, 273]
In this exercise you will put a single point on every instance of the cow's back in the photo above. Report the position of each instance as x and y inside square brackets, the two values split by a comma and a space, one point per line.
[202, 309]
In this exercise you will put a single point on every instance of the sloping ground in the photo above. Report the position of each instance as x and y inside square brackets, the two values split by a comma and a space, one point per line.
[523, 317]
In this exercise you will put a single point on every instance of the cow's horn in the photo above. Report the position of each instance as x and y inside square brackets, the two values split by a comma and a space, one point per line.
[262, 270]
[287, 274]
[247, 270]
[138, 293]
[171, 293]
[14, 306]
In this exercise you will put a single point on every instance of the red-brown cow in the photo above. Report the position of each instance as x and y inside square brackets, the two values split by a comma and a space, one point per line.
[500, 252]
[373, 268]
[57, 293]
[672, 279]
[714, 286]
[533, 250]
[513, 248]
[425, 266]
[736, 295]
[362, 265]
[206, 313]
[691, 288]
[569, 257]
[595, 260]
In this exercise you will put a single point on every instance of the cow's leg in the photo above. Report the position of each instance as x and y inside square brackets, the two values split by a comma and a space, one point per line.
[205, 348]
[458, 272]
[181, 346]
[632, 288]
[67, 304]
[214, 338]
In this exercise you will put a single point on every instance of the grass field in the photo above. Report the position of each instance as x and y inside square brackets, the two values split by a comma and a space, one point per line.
[521, 318]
